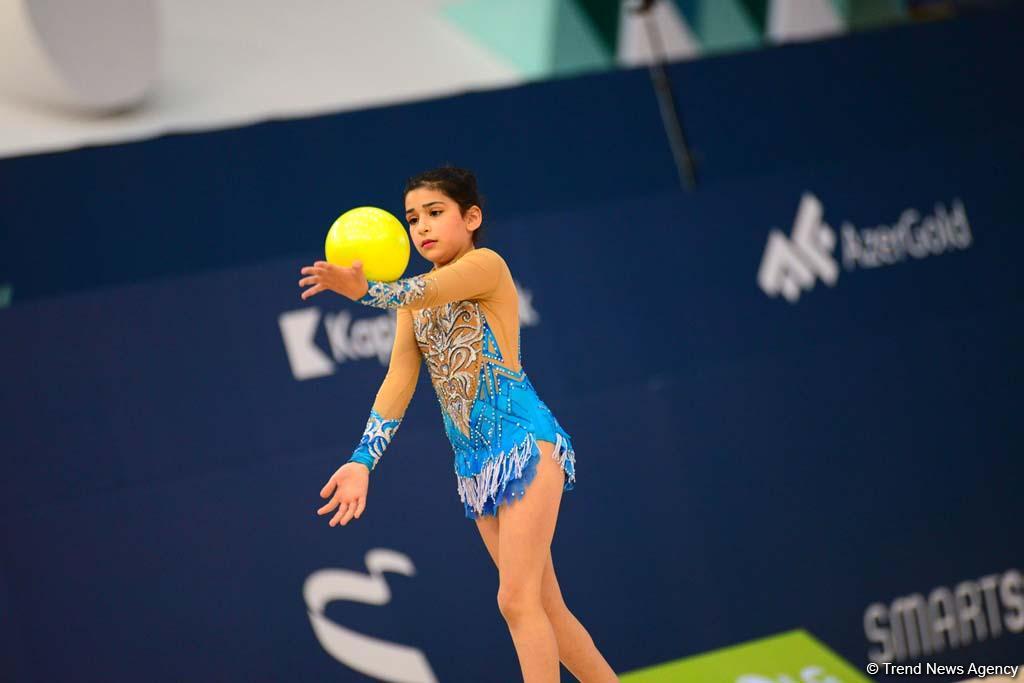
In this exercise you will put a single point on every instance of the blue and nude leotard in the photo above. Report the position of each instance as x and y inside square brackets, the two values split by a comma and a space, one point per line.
[463, 318]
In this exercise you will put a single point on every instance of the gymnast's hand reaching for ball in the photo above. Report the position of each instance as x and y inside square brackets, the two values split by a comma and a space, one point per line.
[349, 282]
[349, 485]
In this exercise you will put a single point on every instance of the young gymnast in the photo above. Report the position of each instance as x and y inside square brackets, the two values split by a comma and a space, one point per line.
[513, 460]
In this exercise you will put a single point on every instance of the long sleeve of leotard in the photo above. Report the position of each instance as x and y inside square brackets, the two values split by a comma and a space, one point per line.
[394, 394]
[471, 276]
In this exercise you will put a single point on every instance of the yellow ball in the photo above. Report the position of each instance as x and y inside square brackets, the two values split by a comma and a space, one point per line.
[373, 236]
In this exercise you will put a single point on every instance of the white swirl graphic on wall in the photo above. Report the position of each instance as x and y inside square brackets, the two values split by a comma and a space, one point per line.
[374, 657]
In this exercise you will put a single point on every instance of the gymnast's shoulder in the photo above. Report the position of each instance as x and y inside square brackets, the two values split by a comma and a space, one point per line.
[487, 257]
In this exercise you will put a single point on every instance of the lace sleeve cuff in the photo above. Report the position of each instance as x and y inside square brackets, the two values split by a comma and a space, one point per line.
[394, 294]
[376, 436]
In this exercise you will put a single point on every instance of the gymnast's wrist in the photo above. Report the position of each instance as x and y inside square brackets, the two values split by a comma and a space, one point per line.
[363, 459]
[368, 299]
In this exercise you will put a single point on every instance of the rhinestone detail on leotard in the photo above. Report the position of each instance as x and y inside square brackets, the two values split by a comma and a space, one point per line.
[449, 340]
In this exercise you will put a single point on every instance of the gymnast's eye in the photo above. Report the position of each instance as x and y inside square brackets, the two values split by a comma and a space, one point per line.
[412, 221]
[434, 212]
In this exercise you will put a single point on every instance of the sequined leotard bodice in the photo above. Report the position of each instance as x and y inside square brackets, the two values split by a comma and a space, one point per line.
[463, 318]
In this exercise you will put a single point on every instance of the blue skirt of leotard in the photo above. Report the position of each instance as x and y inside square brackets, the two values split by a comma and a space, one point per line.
[497, 461]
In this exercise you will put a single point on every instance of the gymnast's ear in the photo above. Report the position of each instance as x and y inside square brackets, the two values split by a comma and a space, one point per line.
[474, 217]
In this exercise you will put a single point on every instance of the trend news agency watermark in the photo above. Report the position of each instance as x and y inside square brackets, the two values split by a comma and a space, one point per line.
[933, 669]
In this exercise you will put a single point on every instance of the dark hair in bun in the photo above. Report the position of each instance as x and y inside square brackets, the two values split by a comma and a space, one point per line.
[459, 184]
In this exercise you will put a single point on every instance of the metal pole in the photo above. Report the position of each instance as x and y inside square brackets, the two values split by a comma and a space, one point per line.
[666, 100]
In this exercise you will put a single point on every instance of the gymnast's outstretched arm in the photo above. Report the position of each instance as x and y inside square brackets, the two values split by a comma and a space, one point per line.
[473, 276]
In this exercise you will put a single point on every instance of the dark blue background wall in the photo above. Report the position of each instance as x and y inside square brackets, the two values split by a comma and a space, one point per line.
[746, 465]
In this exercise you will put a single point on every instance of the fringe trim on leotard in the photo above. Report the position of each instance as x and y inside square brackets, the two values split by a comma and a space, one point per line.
[563, 452]
[504, 478]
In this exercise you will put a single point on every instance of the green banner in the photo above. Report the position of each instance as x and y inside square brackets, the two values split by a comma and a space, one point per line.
[790, 657]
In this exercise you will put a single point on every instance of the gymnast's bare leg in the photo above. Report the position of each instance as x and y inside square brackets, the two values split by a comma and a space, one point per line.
[528, 596]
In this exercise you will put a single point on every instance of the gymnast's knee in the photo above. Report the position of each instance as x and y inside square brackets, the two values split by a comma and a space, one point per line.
[514, 603]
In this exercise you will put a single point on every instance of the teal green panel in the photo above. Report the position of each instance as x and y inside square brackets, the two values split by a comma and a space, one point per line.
[604, 17]
[720, 25]
[521, 32]
[577, 45]
[757, 11]
[869, 13]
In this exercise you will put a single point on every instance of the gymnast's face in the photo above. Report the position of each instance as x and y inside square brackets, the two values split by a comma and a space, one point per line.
[438, 228]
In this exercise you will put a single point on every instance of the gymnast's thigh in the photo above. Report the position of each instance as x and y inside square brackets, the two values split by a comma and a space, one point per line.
[488, 527]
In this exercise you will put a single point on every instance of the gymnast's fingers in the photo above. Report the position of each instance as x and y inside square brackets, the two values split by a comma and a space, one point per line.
[313, 290]
[330, 505]
[347, 517]
[328, 487]
[341, 512]
[362, 506]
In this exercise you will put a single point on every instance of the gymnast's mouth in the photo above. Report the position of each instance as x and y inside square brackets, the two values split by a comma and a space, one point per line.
[427, 243]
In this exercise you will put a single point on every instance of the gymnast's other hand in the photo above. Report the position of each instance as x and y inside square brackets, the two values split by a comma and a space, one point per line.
[349, 282]
[349, 485]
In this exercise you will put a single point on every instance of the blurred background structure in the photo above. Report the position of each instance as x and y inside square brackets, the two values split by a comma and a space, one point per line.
[230, 62]
[816, 345]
